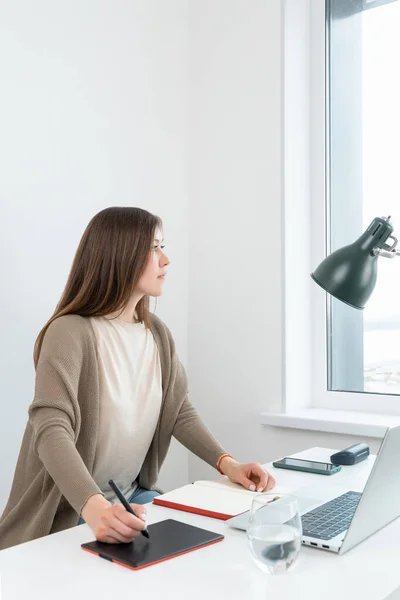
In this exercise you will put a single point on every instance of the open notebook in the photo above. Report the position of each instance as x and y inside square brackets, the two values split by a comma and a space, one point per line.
[219, 499]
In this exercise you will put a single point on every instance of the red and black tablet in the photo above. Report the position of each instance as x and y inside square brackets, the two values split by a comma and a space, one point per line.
[167, 539]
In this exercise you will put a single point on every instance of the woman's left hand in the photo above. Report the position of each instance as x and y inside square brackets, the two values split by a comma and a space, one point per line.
[252, 476]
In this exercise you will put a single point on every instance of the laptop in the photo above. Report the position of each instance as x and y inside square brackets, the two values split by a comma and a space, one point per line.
[337, 519]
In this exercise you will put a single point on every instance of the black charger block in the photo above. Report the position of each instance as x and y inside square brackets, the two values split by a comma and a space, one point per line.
[351, 455]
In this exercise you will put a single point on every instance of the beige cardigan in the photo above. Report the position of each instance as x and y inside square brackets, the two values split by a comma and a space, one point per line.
[53, 477]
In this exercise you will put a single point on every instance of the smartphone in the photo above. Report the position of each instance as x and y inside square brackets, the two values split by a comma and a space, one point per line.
[310, 466]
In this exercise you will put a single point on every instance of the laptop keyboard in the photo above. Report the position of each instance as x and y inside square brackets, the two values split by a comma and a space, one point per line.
[330, 519]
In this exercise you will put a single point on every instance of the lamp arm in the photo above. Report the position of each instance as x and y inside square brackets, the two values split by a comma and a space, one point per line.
[386, 253]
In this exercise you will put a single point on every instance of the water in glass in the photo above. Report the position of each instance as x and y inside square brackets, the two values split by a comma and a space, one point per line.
[274, 531]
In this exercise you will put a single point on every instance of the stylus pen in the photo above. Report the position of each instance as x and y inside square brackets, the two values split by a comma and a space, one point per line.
[126, 504]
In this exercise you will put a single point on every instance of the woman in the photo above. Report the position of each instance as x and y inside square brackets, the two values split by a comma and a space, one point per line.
[109, 394]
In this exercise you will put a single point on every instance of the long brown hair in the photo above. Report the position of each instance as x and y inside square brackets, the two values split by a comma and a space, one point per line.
[111, 257]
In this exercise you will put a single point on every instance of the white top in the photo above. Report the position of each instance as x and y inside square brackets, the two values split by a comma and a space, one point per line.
[56, 566]
[130, 401]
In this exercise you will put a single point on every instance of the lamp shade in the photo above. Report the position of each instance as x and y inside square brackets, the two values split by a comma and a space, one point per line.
[349, 274]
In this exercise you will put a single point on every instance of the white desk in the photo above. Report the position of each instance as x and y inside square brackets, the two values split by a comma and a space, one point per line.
[56, 568]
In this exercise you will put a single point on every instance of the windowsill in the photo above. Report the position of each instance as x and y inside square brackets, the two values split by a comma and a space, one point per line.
[333, 421]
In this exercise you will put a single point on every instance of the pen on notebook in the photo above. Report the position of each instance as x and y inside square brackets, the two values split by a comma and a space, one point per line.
[126, 504]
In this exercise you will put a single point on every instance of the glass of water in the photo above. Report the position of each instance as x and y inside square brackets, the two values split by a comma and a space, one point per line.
[274, 531]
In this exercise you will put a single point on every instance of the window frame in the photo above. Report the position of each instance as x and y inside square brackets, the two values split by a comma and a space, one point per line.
[320, 396]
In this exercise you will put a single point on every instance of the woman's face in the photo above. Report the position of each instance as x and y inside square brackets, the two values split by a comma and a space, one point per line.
[151, 282]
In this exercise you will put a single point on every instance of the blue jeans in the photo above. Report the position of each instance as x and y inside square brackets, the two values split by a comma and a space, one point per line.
[139, 496]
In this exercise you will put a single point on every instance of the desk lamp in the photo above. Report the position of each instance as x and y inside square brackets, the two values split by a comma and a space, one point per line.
[349, 274]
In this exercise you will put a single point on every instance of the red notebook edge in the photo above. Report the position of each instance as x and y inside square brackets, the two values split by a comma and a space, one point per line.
[192, 509]
[117, 562]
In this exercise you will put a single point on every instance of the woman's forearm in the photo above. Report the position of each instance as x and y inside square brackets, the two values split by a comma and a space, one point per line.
[193, 433]
[63, 462]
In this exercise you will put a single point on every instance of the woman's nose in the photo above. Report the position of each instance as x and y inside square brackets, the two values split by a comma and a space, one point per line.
[165, 260]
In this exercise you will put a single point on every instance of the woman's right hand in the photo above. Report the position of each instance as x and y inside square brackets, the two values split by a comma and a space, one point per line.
[113, 524]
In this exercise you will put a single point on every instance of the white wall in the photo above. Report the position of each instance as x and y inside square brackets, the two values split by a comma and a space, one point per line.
[95, 101]
[93, 113]
[235, 276]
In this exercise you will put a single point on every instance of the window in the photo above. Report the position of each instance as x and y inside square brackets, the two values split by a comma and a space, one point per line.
[362, 175]
[341, 126]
